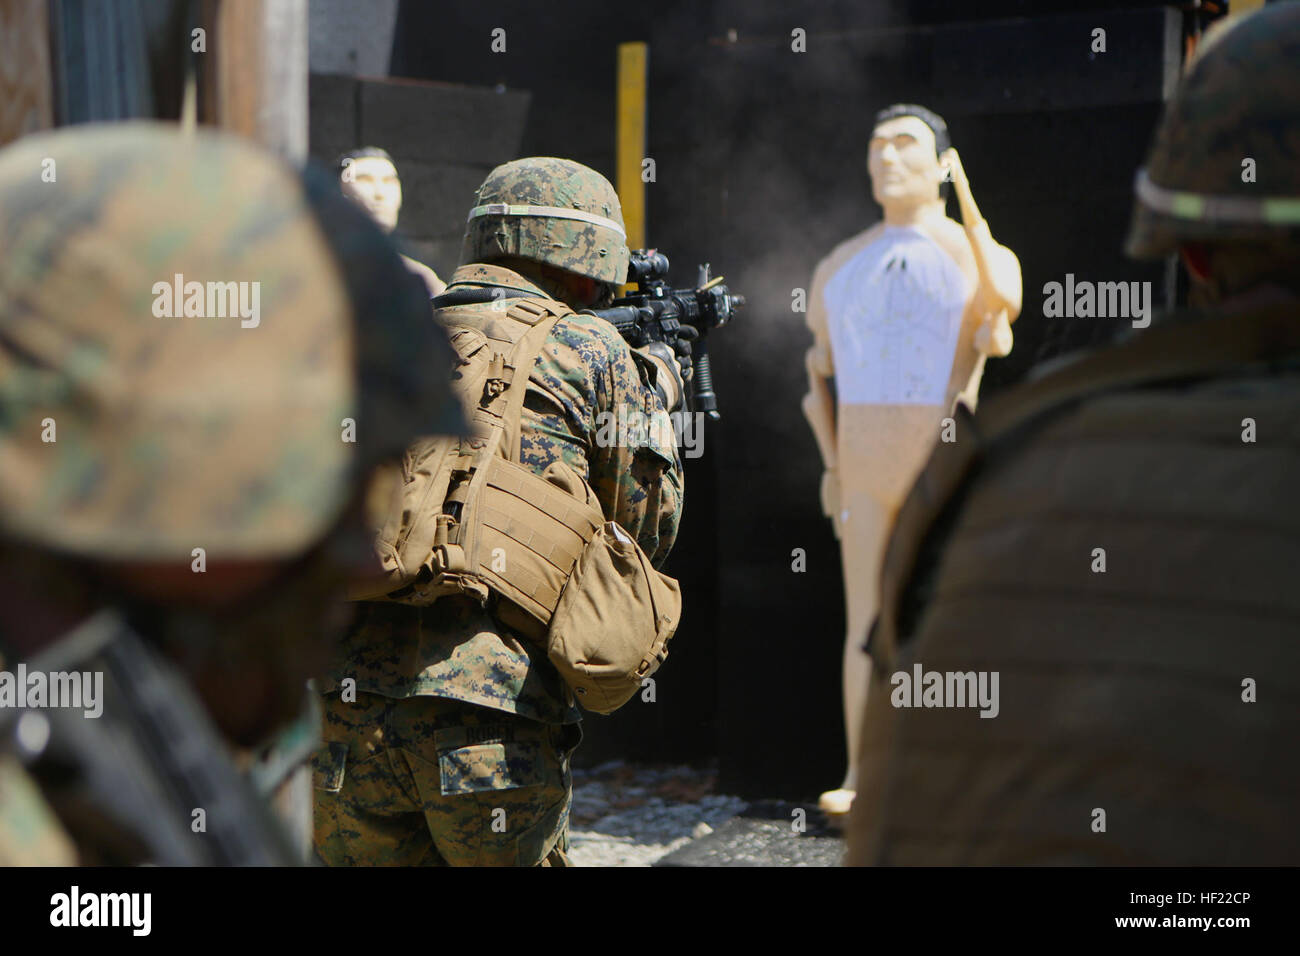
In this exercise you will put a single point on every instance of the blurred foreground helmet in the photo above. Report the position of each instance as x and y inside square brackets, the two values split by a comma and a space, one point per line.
[185, 325]
[1239, 101]
[549, 210]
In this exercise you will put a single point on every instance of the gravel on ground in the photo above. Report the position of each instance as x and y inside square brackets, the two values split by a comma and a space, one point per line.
[625, 815]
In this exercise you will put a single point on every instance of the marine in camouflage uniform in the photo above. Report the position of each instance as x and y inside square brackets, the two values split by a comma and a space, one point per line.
[136, 427]
[1118, 541]
[456, 716]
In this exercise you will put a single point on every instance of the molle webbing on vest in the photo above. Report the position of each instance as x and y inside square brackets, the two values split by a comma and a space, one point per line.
[541, 529]
[473, 521]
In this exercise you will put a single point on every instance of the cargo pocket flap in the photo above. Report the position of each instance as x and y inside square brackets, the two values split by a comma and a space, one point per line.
[327, 766]
[493, 766]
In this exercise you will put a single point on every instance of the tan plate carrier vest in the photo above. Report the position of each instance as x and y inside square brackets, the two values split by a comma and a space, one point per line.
[501, 528]
[468, 519]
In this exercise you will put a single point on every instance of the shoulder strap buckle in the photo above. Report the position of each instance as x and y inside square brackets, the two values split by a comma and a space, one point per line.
[499, 376]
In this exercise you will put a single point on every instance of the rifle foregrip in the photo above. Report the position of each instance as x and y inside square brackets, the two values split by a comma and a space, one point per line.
[702, 384]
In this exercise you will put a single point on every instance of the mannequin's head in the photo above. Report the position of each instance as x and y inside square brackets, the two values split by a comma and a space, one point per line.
[369, 177]
[904, 156]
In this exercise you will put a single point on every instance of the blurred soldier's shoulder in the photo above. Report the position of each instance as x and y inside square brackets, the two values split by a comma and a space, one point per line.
[430, 278]
[1111, 536]
[1189, 353]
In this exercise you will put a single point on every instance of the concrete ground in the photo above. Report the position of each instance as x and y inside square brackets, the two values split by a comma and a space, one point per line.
[633, 815]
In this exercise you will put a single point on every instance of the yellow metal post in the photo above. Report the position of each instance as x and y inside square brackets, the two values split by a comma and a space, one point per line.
[632, 74]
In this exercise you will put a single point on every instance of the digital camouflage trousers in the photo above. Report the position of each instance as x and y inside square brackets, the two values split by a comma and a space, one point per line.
[426, 781]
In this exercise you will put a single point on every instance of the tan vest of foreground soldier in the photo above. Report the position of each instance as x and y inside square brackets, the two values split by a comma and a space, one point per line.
[903, 316]
[1118, 547]
[368, 176]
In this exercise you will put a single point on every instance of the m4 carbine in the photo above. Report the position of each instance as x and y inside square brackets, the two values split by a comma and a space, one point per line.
[680, 318]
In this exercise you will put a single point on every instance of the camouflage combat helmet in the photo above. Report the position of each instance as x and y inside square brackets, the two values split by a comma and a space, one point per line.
[178, 347]
[549, 210]
[1239, 101]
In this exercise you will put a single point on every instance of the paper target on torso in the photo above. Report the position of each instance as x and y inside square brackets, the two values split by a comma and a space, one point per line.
[894, 313]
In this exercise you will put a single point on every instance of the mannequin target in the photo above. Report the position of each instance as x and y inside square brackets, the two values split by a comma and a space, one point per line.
[903, 317]
[369, 178]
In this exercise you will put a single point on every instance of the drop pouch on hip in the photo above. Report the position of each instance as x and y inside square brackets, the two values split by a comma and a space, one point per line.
[615, 616]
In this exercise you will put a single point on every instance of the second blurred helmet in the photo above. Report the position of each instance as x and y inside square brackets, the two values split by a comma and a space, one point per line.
[1239, 102]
